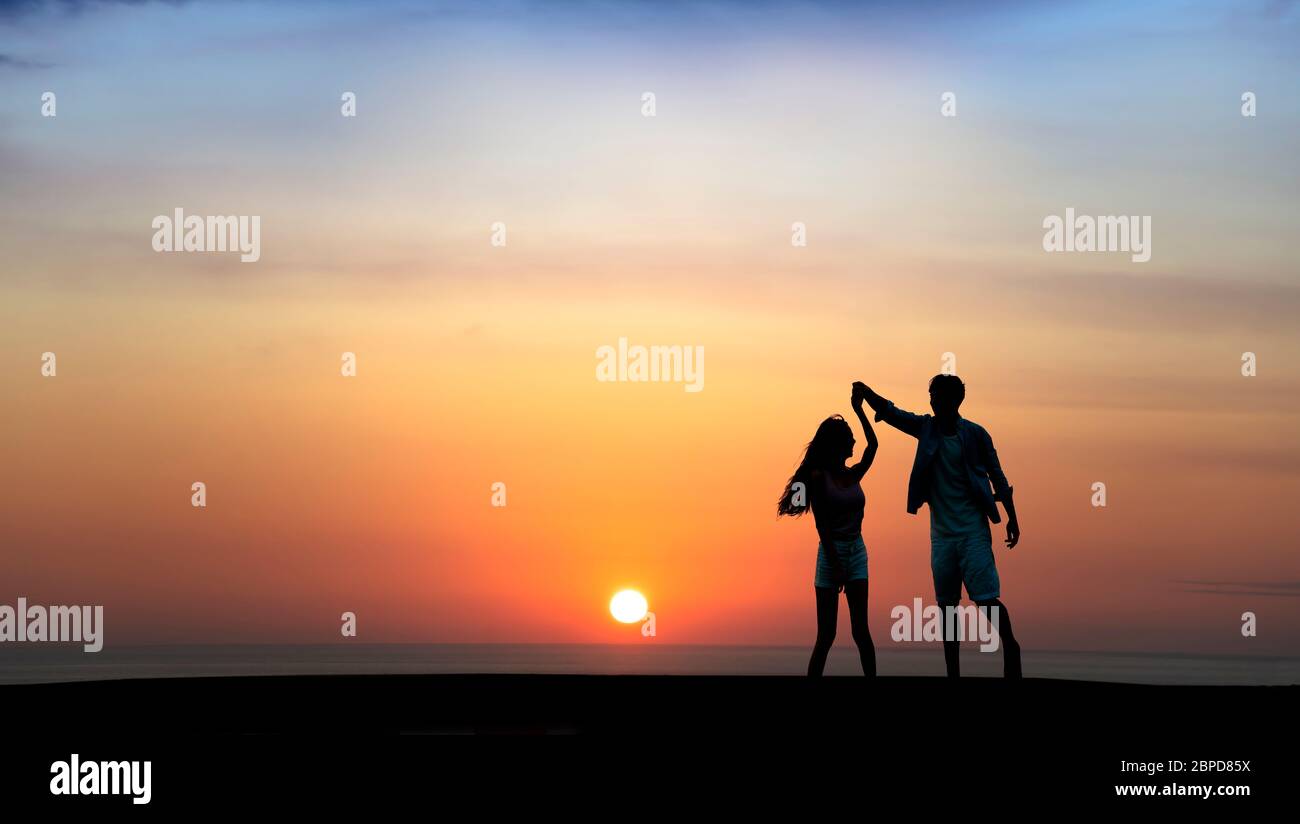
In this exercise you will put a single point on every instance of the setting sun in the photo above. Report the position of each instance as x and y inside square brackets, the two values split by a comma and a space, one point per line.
[628, 606]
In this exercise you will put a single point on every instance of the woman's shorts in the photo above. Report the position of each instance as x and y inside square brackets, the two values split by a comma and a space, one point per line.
[853, 559]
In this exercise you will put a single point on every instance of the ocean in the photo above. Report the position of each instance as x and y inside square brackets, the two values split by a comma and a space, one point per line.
[44, 663]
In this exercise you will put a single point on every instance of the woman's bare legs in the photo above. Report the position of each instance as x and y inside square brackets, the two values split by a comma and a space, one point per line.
[855, 592]
[828, 608]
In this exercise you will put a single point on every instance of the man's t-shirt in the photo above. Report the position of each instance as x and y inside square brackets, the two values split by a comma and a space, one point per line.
[953, 512]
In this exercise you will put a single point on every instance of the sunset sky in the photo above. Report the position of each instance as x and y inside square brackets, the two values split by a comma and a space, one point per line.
[476, 364]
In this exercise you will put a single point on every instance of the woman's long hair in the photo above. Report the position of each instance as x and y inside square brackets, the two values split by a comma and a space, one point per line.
[824, 451]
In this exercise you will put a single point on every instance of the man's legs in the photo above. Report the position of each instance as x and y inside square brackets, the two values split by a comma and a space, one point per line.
[945, 564]
[979, 575]
[951, 652]
[1010, 647]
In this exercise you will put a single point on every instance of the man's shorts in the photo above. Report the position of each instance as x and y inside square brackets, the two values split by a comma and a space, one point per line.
[968, 560]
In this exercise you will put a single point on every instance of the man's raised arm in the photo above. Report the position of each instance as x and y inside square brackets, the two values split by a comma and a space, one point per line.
[885, 410]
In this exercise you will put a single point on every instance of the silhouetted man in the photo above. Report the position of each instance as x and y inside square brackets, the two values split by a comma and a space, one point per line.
[954, 467]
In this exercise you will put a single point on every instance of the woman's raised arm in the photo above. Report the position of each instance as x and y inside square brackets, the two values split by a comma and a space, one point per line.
[873, 443]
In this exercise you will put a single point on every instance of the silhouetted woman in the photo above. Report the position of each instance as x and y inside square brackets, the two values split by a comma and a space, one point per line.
[834, 493]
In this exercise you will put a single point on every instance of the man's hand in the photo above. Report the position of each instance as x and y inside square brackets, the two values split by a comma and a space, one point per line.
[1013, 533]
[860, 393]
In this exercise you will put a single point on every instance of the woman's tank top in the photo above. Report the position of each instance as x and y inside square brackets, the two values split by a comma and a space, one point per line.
[838, 510]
